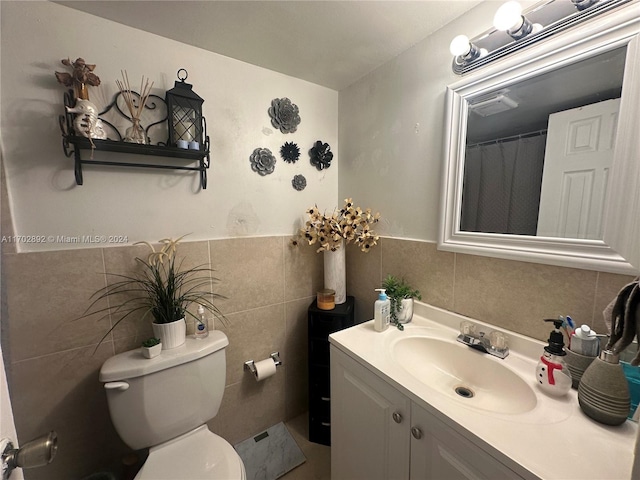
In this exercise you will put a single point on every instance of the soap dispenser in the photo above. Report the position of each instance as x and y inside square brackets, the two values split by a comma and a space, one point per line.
[381, 311]
[552, 373]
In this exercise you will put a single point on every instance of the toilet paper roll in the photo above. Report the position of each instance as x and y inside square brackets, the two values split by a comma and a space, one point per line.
[265, 368]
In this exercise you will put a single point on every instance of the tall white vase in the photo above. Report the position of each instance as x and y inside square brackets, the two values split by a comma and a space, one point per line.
[335, 273]
[172, 334]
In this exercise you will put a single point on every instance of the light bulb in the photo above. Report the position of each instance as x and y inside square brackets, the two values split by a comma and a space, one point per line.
[460, 45]
[508, 17]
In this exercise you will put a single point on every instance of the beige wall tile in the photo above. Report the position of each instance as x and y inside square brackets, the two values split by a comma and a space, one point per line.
[61, 392]
[253, 335]
[251, 271]
[47, 292]
[363, 277]
[424, 267]
[249, 407]
[304, 271]
[519, 295]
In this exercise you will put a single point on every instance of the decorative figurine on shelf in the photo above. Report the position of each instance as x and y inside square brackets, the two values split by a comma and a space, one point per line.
[87, 122]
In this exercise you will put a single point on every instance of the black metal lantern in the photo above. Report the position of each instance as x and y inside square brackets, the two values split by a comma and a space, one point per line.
[184, 108]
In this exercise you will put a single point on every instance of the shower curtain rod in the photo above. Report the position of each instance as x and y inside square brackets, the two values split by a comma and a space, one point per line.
[512, 137]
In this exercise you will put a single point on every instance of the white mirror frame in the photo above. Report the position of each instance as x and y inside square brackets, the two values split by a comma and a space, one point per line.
[615, 29]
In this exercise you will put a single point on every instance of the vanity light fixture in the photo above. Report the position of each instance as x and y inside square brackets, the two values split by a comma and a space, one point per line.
[582, 4]
[509, 19]
[461, 47]
[523, 28]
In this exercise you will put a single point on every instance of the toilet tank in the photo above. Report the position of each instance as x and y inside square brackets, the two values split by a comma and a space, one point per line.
[154, 400]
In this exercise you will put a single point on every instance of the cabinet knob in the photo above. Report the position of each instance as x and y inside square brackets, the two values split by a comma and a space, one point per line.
[416, 432]
[397, 417]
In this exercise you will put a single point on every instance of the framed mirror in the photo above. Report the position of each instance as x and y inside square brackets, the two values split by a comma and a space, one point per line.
[538, 151]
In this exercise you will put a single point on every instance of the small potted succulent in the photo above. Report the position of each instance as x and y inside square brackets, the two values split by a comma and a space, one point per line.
[401, 296]
[151, 347]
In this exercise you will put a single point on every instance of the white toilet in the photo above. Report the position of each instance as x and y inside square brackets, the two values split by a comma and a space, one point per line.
[164, 403]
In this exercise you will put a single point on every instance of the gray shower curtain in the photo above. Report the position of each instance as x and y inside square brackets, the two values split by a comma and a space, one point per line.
[501, 189]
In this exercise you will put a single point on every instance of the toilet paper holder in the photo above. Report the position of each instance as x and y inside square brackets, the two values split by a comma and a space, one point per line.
[251, 365]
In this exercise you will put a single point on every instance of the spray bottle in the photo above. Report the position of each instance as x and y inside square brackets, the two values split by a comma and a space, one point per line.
[381, 311]
[552, 373]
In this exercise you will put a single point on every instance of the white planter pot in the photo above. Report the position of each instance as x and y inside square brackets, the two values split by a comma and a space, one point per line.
[335, 273]
[150, 352]
[405, 311]
[172, 334]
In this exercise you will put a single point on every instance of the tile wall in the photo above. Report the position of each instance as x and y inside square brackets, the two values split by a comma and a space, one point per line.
[53, 364]
[510, 294]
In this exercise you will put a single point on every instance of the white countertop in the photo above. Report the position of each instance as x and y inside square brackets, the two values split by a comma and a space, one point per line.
[553, 441]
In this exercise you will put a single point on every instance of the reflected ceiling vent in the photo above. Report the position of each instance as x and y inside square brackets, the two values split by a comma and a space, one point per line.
[495, 103]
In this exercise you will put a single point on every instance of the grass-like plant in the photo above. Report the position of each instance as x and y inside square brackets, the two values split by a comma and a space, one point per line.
[162, 289]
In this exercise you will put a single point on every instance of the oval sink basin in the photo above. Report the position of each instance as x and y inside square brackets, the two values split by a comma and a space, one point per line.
[474, 378]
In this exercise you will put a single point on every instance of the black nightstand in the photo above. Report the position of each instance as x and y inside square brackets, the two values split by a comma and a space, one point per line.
[321, 324]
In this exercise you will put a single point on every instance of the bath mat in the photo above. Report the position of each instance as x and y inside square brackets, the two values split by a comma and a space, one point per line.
[270, 454]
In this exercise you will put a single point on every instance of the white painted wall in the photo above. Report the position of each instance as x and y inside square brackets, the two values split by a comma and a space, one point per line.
[392, 128]
[151, 204]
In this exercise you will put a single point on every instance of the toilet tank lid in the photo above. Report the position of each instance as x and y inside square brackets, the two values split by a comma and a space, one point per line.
[132, 364]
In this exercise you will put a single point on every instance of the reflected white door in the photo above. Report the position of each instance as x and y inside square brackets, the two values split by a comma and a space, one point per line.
[578, 158]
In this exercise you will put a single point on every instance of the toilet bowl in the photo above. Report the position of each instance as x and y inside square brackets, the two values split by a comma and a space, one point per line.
[164, 403]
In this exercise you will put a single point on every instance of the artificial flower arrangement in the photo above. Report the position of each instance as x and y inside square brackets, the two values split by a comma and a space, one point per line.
[350, 223]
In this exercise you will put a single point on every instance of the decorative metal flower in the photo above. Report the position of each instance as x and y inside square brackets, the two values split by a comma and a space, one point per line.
[321, 155]
[284, 115]
[299, 182]
[262, 161]
[290, 152]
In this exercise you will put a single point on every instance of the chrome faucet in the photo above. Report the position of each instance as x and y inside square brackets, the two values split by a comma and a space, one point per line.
[494, 344]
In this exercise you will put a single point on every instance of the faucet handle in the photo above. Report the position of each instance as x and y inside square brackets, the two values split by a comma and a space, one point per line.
[468, 328]
[498, 340]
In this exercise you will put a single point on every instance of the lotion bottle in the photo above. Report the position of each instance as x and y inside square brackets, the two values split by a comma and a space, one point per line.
[381, 311]
[202, 328]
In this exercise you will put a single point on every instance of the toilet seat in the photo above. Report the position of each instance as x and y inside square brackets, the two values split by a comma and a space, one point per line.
[196, 455]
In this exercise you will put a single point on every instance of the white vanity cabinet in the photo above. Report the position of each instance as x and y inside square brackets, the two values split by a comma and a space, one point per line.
[377, 432]
[369, 424]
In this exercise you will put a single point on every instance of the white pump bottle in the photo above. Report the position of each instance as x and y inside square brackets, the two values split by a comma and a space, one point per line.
[381, 311]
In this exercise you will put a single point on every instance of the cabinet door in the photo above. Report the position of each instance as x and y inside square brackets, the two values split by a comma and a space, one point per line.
[369, 424]
[440, 453]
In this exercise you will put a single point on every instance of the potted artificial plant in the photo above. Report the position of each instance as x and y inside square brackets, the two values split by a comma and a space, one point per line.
[162, 289]
[151, 347]
[401, 296]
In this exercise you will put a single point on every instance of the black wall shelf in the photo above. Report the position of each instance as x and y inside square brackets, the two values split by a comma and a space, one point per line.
[73, 145]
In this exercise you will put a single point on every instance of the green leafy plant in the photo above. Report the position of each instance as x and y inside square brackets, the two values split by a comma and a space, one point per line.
[398, 289]
[161, 288]
[151, 342]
